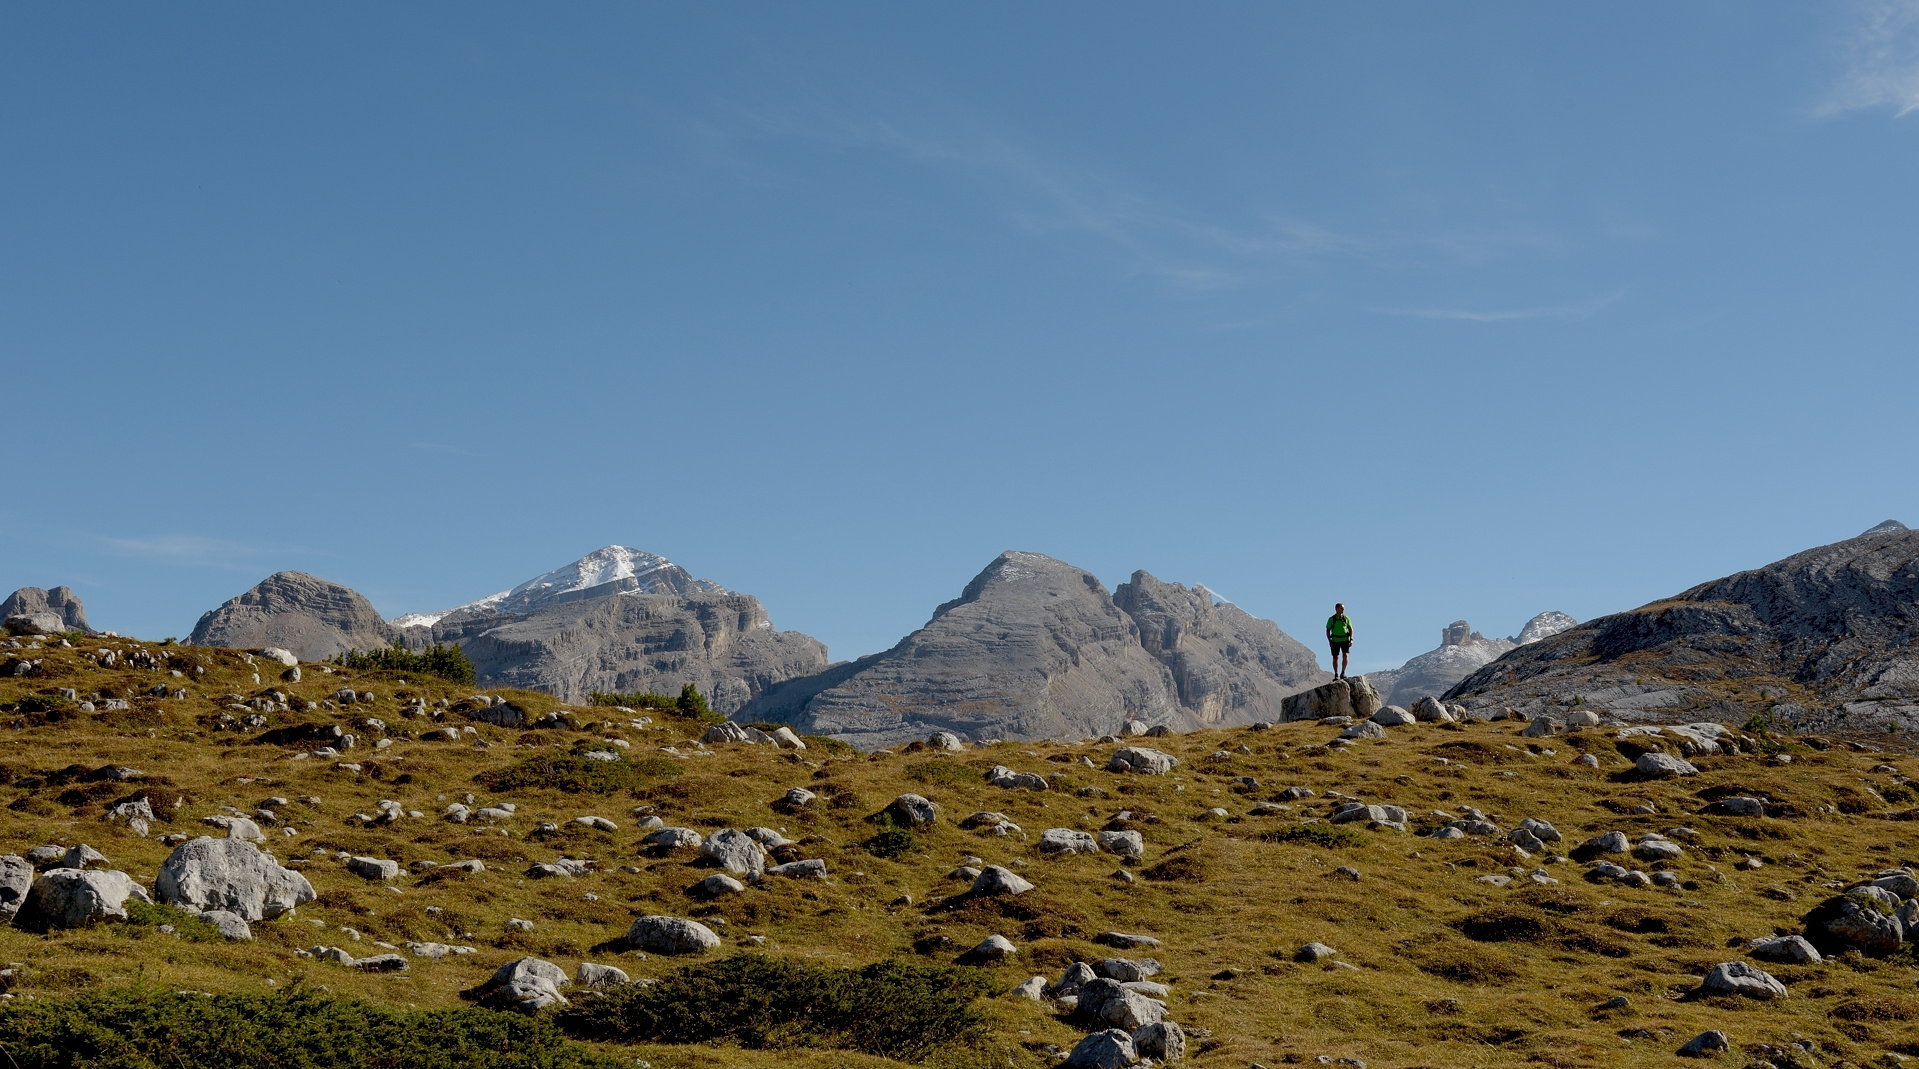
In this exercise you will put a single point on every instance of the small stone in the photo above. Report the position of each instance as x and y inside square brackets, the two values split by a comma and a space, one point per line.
[1314, 952]
[1739, 978]
[1706, 1045]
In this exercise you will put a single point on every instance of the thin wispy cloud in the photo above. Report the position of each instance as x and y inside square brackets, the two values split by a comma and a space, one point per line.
[1158, 238]
[1881, 60]
[188, 549]
[1580, 310]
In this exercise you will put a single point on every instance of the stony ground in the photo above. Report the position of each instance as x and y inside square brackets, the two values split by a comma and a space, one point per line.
[1436, 964]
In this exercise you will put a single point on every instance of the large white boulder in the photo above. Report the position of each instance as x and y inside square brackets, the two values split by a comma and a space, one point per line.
[736, 851]
[671, 935]
[16, 879]
[77, 898]
[233, 875]
[1141, 759]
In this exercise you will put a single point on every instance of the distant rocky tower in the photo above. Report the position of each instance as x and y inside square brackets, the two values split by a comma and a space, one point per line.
[34, 602]
[1462, 651]
[1036, 648]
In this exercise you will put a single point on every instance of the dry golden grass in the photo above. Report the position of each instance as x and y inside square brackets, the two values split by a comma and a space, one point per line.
[1229, 908]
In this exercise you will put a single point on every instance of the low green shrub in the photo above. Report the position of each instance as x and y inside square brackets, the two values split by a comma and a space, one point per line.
[145, 1028]
[896, 1009]
[691, 704]
[1330, 836]
[891, 841]
[579, 775]
[188, 926]
[448, 662]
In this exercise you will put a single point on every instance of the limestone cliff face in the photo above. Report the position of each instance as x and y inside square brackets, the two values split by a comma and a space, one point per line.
[1036, 648]
[60, 601]
[1227, 666]
[1833, 628]
[724, 644]
[1462, 651]
[312, 617]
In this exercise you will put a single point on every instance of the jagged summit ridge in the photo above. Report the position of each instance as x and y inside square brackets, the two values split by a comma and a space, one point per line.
[1034, 647]
[604, 572]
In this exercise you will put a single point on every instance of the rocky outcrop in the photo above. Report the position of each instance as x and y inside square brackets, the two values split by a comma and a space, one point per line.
[1822, 639]
[1227, 666]
[1462, 651]
[77, 898]
[60, 601]
[311, 617]
[232, 875]
[1036, 648]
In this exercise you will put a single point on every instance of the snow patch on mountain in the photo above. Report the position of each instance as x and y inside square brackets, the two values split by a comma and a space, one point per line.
[604, 572]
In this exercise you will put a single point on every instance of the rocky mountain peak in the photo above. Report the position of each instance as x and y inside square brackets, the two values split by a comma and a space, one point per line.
[1888, 527]
[1545, 625]
[604, 572]
[60, 601]
[308, 615]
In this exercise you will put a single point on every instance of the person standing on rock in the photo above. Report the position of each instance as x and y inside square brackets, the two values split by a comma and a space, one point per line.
[1339, 635]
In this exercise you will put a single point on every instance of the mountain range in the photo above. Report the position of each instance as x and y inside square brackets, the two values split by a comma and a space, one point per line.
[1034, 647]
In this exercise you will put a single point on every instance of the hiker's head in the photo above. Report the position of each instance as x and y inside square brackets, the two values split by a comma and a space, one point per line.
[1339, 607]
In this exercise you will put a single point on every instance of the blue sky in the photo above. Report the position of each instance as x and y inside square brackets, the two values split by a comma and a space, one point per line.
[1441, 310]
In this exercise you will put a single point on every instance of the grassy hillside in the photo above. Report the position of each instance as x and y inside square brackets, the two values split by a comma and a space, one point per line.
[1445, 969]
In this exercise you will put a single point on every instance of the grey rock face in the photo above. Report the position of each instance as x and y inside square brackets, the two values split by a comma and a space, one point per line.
[311, 617]
[1785, 950]
[1036, 648]
[16, 878]
[231, 924]
[1354, 697]
[233, 875]
[1739, 978]
[671, 935]
[1067, 841]
[1130, 845]
[1110, 1049]
[995, 880]
[34, 623]
[736, 852]
[1706, 1045]
[621, 620]
[524, 985]
[1111, 1003]
[599, 976]
[1854, 922]
[373, 868]
[1227, 666]
[1141, 759]
[1163, 1040]
[1663, 766]
[912, 811]
[1838, 620]
[59, 602]
[77, 898]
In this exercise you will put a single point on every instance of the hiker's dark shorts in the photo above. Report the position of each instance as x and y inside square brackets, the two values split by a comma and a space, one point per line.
[1343, 647]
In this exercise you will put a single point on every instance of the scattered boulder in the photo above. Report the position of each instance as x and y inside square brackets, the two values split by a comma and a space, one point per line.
[718, 884]
[993, 948]
[1162, 1039]
[1315, 952]
[1354, 697]
[1543, 727]
[995, 880]
[1110, 1049]
[673, 838]
[1706, 1045]
[1141, 759]
[1736, 806]
[373, 868]
[912, 811]
[1739, 978]
[1001, 776]
[806, 869]
[1130, 845]
[16, 879]
[1664, 766]
[382, 963]
[76, 898]
[84, 857]
[231, 924]
[1431, 710]
[1393, 716]
[1365, 729]
[599, 976]
[237, 828]
[736, 851]
[671, 935]
[1034, 987]
[233, 875]
[1854, 921]
[944, 740]
[1784, 950]
[1066, 841]
[1113, 1004]
[524, 985]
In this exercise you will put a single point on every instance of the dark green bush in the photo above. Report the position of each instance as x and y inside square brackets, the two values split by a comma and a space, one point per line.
[186, 925]
[579, 775]
[144, 1028]
[895, 1009]
[1330, 836]
[891, 840]
[448, 662]
[691, 704]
